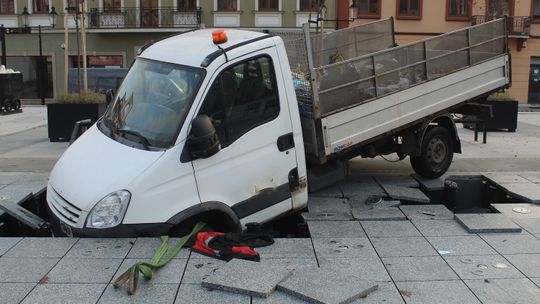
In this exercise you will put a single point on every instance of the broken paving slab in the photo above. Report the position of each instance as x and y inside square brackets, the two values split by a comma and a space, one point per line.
[378, 214]
[503, 291]
[327, 205]
[516, 211]
[406, 193]
[327, 216]
[247, 277]
[427, 212]
[326, 287]
[487, 223]
[325, 229]
[435, 184]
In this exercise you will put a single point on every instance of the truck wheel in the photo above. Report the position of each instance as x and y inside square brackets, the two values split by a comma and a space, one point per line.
[437, 153]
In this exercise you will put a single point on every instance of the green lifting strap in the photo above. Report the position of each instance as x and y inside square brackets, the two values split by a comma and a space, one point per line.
[161, 257]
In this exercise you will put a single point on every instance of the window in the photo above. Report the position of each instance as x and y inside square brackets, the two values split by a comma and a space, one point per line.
[268, 5]
[227, 5]
[536, 10]
[241, 98]
[458, 9]
[305, 5]
[7, 7]
[187, 4]
[41, 6]
[369, 9]
[112, 5]
[409, 9]
[499, 8]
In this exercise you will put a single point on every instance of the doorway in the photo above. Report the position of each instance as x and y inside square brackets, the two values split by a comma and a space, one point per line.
[534, 81]
[149, 13]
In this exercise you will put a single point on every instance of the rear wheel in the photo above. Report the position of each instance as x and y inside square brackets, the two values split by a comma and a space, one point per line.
[437, 153]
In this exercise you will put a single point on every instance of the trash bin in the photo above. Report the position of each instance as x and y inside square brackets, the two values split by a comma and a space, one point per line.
[10, 91]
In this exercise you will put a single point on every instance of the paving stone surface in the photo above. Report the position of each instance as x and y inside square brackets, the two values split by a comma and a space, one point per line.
[14, 292]
[196, 294]
[472, 267]
[378, 214]
[406, 193]
[367, 269]
[529, 192]
[427, 212]
[325, 229]
[505, 178]
[278, 297]
[518, 211]
[461, 245]
[532, 225]
[288, 248]
[344, 247]
[247, 277]
[440, 227]
[387, 293]
[100, 248]
[65, 293]
[437, 292]
[171, 274]
[359, 187]
[324, 286]
[529, 264]
[328, 205]
[487, 223]
[42, 247]
[504, 291]
[144, 248]
[77, 270]
[513, 243]
[25, 270]
[536, 281]
[7, 243]
[531, 176]
[432, 268]
[429, 184]
[403, 247]
[397, 180]
[198, 269]
[389, 228]
[146, 294]
[15, 193]
[327, 216]
[331, 191]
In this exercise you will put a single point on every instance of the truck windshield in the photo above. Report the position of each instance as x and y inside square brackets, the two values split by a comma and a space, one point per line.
[152, 102]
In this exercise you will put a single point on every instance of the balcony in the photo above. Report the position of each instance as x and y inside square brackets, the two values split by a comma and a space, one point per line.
[133, 18]
[518, 26]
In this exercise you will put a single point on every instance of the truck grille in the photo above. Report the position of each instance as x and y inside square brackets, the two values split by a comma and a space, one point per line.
[66, 211]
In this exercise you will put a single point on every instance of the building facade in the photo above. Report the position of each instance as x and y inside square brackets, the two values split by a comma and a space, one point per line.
[116, 29]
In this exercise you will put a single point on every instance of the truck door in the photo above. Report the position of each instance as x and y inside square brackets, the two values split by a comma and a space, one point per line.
[249, 111]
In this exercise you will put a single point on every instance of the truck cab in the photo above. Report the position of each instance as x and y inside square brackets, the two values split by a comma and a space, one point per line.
[204, 127]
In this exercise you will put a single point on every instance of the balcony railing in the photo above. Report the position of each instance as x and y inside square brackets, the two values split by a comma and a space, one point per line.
[518, 26]
[143, 18]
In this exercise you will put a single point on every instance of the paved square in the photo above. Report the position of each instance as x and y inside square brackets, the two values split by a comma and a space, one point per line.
[406, 193]
[65, 293]
[427, 212]
[403, 247]
[474, 267]
[487, 223]
[437, 292]
[146, 294]
[14, 292]
[80, 270]
[378, 214]
[368, 269]
[432, 268]
[532, 225]
[440, 227]
[513, 243]
[461, 245]
[170, 274]
[529, 264]
[344, 247]
[25, 270]
[42, 247]
[7, 243]
[100, 248]
[325, 229]
[518, 211]
[389, 228]
[195, 293]
[504, 291]
[327, 205]
[288, 248]
[144, 248]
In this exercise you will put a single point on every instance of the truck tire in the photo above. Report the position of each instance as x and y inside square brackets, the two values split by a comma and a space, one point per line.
[437, 153]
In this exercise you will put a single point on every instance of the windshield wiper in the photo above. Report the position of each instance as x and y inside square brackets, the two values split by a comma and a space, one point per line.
[143, 140]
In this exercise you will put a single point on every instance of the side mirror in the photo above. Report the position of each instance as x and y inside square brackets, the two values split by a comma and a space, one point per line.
[109, 96]
[203, 141]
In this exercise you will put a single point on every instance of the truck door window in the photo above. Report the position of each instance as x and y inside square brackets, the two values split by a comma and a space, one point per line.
[241, 98]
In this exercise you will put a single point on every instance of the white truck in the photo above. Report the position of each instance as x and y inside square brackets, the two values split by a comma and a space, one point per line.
[209, 124]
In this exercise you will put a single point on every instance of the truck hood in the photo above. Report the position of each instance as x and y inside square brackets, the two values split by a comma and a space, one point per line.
[95, 166]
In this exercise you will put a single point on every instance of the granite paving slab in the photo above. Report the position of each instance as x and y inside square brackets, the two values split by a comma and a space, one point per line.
[367, 200]
[354, 188]
[529, 264]
[6, 243]
[247, 277]
[7, 178]
[428, 184]
[84, 270]
[42, 247]
[403, 247]
[327, 205]
[513, 243]
[536, 281]
[472, 267]
[101, 248]
[15, 193]
[367, 269]
[344, 247]
[530, 224]
[331, 191]
[460, 245]
[196, 294]
[437, 292]
[406, 193]
[389, 228]
[65, 293]
[278, 297]
[432, 268]
[378, 214]
[397, 180]
[287, 248]
[146, 294]
[25, 270]
[170, 274]
[528, 192]
[387, 293]
[326, 287]
[531, 176]
[518, 211]
[14, 292]
[427, 212]
[504, 291]
[144, 248]
[487, 223]
[440, 227]
[324, 229]
[327, 216]
[505, 178]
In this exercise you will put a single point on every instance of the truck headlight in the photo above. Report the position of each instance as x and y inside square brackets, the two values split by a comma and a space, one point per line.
[109, 211]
